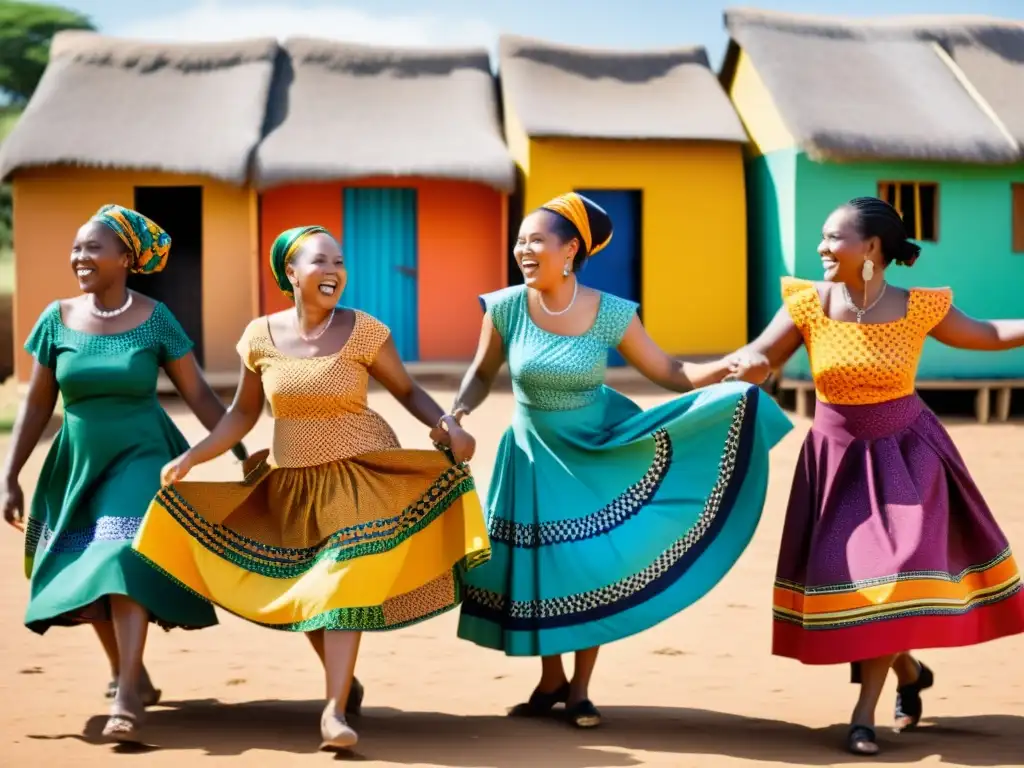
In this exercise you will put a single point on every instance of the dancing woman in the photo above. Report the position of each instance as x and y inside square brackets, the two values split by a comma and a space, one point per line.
[102, 352]
[888, 545]
[604, 519]
[339, 530]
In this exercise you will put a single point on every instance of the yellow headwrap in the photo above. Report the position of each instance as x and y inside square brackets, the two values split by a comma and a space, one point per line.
[573, 207]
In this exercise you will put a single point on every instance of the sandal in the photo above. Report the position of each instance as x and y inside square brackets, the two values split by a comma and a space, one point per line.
[149, 699]
[541, 704]
[336, 733]
[122, 727]
[909, 706]
[583, 714]
[860, 740]
[354, 703]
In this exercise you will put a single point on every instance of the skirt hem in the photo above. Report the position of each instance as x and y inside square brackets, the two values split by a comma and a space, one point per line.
[853, 644]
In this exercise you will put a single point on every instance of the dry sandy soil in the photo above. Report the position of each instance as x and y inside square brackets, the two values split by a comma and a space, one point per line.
[699, 690]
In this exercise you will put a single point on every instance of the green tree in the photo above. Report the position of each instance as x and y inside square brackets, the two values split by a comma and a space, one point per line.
[26, 30]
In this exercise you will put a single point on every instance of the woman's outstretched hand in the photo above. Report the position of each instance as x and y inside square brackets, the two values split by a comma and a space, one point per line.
[176, 471]
[748, 366]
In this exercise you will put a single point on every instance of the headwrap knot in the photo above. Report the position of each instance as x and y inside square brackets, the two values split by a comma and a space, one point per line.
[147, 242]
[578, 210]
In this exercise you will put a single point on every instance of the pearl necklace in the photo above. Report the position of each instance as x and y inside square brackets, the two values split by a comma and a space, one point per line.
[861, 312]
[106, 313]
[318, 334]
[575, 290]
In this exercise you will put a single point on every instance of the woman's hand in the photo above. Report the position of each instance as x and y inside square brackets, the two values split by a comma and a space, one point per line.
[747, 365]
[461, 443]
[13, 502]
[439, 436]
[176, 470]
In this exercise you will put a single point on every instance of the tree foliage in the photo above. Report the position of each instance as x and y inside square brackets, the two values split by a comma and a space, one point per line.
[26, 30]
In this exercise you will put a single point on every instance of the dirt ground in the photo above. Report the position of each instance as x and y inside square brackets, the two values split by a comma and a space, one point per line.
[698, 690]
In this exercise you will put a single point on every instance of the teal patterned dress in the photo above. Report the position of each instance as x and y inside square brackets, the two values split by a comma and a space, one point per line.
[101, 473]
[606, 519]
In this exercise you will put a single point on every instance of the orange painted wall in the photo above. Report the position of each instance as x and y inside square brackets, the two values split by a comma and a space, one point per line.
[462, 231]
[51, 204]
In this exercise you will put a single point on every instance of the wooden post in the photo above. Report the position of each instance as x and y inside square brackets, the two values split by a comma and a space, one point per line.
[982, 405]
[1003, 395]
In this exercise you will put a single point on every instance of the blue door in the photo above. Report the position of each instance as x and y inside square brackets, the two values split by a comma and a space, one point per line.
[616, 269]
[379, 243]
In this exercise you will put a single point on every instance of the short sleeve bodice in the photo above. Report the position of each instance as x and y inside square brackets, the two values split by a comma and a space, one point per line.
[122, 366]
[549, 371]
[319, 403]
[864, 363]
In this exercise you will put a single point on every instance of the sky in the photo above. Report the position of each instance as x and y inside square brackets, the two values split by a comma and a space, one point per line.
[630, 24]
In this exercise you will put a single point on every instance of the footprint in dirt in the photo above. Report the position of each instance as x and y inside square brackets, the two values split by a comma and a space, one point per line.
[668, 652]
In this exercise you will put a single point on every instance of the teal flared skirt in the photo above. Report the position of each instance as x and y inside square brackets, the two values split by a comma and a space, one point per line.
[608, 519]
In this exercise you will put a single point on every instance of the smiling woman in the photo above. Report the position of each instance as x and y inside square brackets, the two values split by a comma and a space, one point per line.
[338, 530]
[102, 351]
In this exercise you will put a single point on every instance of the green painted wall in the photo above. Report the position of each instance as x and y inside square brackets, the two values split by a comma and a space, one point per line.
[973, 255]
[771, 232]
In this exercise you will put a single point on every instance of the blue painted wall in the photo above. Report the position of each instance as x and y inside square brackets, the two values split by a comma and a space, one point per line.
[617, 268]
[379, 242]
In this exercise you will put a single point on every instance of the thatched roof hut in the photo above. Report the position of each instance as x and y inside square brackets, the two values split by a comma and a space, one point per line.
[112, 103]
[936, 88]
[342, 111]
[588, 93]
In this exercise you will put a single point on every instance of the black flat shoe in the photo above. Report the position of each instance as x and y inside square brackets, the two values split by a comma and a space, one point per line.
[354, 704]
[860, 740]
[909, 706]
[583, 714]
[541, 704]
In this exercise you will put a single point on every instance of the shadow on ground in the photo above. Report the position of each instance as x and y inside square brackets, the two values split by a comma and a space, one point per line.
[432, 738]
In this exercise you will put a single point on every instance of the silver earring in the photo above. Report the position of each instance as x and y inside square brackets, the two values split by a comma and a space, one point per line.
[565, 272]
[868, 271]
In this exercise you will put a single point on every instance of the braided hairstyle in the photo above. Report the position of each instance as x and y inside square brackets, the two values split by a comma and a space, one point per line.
[876, 218]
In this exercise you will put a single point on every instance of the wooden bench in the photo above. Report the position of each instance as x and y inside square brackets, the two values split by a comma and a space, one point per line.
[984, 388]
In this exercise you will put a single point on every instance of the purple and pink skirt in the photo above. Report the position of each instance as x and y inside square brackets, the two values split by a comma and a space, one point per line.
[888, 546]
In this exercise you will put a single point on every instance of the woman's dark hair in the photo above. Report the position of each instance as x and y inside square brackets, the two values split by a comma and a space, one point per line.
[565, 230]
[876, 218]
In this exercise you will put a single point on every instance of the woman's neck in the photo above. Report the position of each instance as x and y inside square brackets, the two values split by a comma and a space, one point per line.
[864, 292]
[559, 296]
[110, 298]
[311, 317]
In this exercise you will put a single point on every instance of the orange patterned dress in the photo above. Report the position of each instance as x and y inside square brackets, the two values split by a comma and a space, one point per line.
[336, 527]
[888, 545]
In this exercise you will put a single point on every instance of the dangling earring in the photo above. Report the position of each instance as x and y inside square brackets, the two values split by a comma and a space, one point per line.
[565, 271]
[868, 270]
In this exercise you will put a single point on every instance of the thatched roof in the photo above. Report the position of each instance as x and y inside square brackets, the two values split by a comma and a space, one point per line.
[564, 91]
[115, 103]
[342, 111]
[936, 88]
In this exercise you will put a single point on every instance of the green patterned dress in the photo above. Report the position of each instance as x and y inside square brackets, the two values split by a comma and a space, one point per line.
[100, 474]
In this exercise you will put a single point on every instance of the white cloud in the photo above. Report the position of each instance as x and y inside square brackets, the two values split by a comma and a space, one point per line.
[212, 20]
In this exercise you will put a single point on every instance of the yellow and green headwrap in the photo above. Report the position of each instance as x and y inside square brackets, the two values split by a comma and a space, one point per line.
[285, 246]
[147, 242]
[590, 219]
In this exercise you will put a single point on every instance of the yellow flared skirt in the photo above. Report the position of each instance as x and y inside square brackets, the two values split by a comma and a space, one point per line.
[375, 542]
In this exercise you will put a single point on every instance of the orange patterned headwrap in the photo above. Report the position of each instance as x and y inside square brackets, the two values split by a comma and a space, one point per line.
[574, 207]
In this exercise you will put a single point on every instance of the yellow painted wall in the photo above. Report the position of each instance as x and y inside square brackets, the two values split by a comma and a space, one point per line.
[756, 108]
[51, 204]
[694, 230]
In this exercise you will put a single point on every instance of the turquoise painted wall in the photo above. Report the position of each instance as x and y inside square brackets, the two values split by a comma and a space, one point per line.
[973, 255]
[771, 232]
